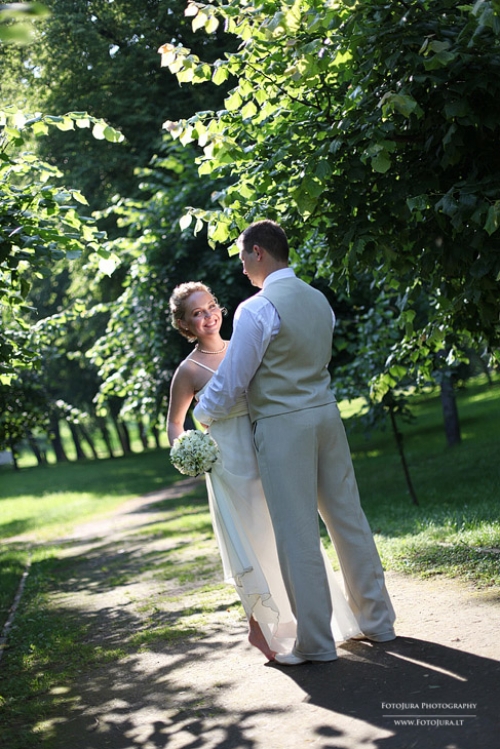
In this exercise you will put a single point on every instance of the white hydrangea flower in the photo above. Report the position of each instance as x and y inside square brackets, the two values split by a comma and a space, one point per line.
[194, 452]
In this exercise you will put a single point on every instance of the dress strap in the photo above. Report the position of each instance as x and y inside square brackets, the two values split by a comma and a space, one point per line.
[201, 365]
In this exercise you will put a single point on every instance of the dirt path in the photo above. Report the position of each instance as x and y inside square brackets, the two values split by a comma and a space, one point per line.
[215, 691]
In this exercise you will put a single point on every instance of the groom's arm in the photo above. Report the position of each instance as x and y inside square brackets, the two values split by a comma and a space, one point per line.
[256, 322]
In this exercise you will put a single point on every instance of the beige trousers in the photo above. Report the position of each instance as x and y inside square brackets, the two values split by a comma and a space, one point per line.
[306, 466]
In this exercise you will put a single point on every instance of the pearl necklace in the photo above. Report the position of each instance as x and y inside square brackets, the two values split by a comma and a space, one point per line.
[219, 351]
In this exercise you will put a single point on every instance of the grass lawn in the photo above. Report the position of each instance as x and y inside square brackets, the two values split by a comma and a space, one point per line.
[48, 501]
[455, 530]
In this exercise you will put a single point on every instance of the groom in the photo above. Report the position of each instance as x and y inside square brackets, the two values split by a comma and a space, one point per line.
[279, 352]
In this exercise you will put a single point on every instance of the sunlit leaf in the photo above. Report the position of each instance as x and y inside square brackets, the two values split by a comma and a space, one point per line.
[248, 110]
[66, 123]
[112, 135]
[79, 197]
[233, 101]
[200, 20]
[185, 221]
[220, 74]
[108, 265]
[98, 130]
[212, 24]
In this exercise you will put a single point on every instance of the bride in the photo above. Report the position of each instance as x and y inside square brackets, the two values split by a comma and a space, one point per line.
[238, 508]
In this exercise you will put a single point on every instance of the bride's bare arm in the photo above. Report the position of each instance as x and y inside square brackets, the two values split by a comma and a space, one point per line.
[181, 397]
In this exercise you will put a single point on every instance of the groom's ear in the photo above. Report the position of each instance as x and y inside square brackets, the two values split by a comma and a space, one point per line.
[259, 251]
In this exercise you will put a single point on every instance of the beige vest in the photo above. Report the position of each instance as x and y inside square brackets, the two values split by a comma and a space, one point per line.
[293, 374]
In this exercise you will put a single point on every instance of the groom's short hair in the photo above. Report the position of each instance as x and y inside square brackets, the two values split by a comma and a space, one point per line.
[267, 234]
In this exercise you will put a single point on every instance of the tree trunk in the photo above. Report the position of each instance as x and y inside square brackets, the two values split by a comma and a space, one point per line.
[399, 442]
[88, 439]
[126, 437]
[40, 457]
[56, 441]
[450, 412]
[142, 434]
[123, 434]
[106, 437]
[156, 436]
[80, 455]
[15, 464]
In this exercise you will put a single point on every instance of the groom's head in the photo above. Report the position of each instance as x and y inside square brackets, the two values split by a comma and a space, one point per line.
[263, 249]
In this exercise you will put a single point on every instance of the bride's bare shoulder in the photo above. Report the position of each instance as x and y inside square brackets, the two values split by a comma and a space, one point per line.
[186, 368]
[190, 374]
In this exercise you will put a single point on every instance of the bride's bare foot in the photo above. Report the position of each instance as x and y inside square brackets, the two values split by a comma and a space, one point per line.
[257, 639]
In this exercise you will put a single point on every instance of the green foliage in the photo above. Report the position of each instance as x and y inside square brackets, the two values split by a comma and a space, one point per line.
[23, 408]
[139, 350]
[39, 223]
[369, 129]
[16, 21]
[101, 57]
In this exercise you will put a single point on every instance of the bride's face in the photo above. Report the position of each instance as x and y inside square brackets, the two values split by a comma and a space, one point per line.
[203, 315]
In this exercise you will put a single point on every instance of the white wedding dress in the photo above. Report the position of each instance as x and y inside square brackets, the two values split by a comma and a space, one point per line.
[245, 536]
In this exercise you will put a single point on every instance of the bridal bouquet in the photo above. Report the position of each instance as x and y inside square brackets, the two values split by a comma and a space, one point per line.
[194, 452]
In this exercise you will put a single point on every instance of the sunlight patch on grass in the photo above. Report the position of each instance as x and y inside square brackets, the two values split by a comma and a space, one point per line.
[195, 520]
[485, 396]
[355, 407]
[151, 636]
[202, 607]
[456, 546]
[48, 500]
[371, 453]
[40, 514]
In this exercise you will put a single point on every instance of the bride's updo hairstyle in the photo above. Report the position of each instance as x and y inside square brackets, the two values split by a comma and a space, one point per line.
[177, 304]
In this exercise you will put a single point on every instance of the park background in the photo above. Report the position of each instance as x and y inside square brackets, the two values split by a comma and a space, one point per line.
[137, 140]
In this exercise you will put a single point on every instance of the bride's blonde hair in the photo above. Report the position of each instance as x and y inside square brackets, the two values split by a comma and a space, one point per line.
[177, 304]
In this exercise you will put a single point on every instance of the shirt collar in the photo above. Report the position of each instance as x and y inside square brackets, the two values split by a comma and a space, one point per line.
[278, 275]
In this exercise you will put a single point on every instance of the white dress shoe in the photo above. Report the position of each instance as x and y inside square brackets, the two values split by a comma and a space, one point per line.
[289, 659]
[384, 637]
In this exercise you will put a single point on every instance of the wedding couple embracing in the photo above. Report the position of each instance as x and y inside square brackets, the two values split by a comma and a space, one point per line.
[266, 399]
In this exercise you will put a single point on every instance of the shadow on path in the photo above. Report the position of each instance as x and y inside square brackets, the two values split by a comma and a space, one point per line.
[211, 693]
[452, 697]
